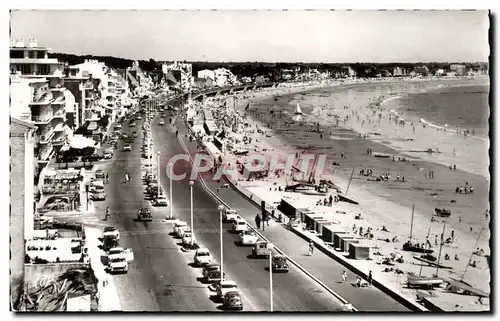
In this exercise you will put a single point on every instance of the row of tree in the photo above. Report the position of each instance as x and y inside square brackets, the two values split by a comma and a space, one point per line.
[272, 70]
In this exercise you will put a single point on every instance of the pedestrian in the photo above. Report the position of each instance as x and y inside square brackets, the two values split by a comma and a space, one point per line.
[370, 278]
[344, 276]
[257, 221]
[311, 248]
[265, 219]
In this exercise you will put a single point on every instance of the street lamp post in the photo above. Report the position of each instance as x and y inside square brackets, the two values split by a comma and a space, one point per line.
[270, 280]
[191, 183]
[170, 189]
[158, 171]
[221, 245]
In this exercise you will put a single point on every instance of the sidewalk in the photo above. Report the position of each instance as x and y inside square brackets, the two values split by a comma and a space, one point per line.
[319, 265]
[108, 295]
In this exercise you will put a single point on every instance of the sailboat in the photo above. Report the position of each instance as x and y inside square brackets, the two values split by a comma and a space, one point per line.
[298, 111]
[419, 281]
[411, 247]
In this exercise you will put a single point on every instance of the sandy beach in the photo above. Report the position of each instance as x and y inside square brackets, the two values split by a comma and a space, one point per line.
[344, 121]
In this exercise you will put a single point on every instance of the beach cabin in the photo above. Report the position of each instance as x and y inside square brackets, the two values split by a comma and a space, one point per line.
[346, 240]
[337, 237]
[328, 232]
[360, 251]
[313, 220]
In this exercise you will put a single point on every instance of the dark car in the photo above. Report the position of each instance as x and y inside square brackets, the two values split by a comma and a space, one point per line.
[280, 264]
[232, 301]
[144, 214]
[109, 243]
[214, 276]
[91, 158]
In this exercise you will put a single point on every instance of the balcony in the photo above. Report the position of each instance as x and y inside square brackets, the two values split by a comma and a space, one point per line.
[45, 153]
[59, 127]
[43, 99]
[59, 140]
[60, 114]
[42, 119]
[46, 138]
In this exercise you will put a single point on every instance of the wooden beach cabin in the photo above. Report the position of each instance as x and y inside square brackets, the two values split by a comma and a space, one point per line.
[361, 250]
[337, 237]
[328, 232]
[291, 209]
[346, 240]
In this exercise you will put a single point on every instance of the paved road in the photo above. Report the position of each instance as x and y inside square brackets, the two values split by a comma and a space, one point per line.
[292, 292]
[328, 271]
[160, 278]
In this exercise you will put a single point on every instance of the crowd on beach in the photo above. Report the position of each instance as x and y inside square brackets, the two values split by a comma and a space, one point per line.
[244, 131]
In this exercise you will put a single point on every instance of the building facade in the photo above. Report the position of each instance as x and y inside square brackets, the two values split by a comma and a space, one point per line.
[22, 167]
[181, 72]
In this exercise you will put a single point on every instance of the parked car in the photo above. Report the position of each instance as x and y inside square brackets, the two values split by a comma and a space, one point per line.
[232, 300]
[98, 195]
[91, 158]
[280, 264]
[202, 257]
[188, 236]
[214, 276]
[179, 228]
[160, 200]
[132, 124]
[118, 265]
[116, 252]
[229, 215]
[99, 173]
[144, 214]
[261, 249]
[248, 238]
[107, 155]
[138, 117]
[210, 267]
[224, 287]
[127, 147]
[109, 242]
[239, 225]
[111, 231]
[161, 122]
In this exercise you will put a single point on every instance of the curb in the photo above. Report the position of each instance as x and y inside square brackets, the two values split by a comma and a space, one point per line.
[336, 295]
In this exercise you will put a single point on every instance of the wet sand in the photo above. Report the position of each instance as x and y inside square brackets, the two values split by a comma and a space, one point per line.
[389, 203]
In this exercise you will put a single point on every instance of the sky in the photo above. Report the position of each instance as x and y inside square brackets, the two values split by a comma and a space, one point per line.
[267, 36]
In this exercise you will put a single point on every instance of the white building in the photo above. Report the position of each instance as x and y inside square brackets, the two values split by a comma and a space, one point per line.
[180, 75]
[205, 74]
[224, 77]
[37, 81]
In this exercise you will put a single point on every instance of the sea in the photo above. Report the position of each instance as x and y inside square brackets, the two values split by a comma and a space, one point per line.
[463, 107]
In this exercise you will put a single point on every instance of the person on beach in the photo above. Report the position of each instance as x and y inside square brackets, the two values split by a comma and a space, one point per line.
[311, 248]
[370, 278]
[344, 276]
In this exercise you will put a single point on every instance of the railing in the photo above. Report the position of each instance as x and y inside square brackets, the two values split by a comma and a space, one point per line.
[45, 97]
[44, 139]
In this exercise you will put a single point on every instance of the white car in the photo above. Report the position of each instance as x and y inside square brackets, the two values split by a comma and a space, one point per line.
[248, 238]
[118, 264]
[230, 215]
[240, 225]
[111, 231]
[127, 147]
[117, 252]
[224, 287]
[179, 228]
[160, 201]
[107, 155]
[188, 235]
[161, 122]
[202, 257]
[138, 117]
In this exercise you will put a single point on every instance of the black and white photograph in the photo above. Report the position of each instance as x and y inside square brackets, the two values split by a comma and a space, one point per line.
[244, 161]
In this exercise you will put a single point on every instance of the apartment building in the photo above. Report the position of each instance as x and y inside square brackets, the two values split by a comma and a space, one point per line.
[179, 75]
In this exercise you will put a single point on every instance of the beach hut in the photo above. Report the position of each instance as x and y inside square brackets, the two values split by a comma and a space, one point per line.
[288, 208]
[360, 251]
[344, 241]
[328, 233]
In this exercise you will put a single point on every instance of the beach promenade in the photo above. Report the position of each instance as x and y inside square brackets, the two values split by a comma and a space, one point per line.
[381, 203]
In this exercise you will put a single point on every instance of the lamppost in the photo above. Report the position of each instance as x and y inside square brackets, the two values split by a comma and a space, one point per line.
[170, 166]
[270, 280]
[220, 207]
[191, 183]
[158, 171]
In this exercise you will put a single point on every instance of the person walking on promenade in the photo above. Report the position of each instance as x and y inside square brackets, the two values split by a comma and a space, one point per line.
[311, 248]
[370, 278]
[344, 276]
[258, 220]
[265, 219]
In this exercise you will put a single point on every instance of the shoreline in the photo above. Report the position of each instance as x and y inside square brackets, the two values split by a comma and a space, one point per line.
[422, 218]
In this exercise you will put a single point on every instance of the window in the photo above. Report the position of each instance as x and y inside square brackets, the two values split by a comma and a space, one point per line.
[44, 69]
[32, 54]
[16, 54]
